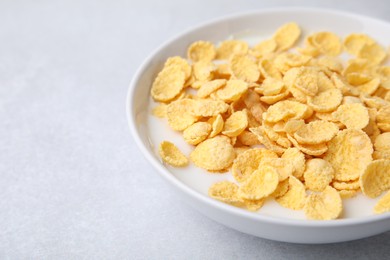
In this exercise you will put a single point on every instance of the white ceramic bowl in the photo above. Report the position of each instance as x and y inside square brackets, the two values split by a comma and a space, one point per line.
[192, 184]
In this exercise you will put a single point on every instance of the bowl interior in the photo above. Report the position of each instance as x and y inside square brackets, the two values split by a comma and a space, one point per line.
[150, 131]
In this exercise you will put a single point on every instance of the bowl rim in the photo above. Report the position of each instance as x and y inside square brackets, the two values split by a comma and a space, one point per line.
[228, 209]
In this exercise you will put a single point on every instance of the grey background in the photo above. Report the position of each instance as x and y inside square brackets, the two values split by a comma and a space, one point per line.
[72, 183]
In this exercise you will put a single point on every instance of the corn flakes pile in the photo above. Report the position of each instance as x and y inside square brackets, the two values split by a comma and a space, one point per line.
[301, 126]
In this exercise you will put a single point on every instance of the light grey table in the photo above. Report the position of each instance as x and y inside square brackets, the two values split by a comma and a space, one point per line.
[73, 185]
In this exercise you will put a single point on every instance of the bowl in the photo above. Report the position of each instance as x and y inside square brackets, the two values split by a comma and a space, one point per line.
[191, 183]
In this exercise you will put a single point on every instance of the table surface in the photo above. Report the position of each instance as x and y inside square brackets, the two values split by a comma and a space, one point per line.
[73, 183]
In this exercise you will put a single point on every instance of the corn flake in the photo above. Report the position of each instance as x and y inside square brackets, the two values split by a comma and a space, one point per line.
[197, 133]
[207, 107]
[353, 116]
[172, 155]
[178, 114]
[233, 90]
[376, 178]
[353, 43]
[295, 197]
[318, 174]
[309, 149]
[247, 162]
[316, 132]
[181, 63]
[260, 184]
[325, 101]
[236, 124]
[209, 87]
[168, 84]
[230, 47]
[286, 36]
[282, 166]
[383, 118]
[349, 153]
[201, 51]
[266, 141]
[160, 111]
[326, 205]
[327, 43]
[383, 205]
[214, 154]
[346, 185]
[244, 67]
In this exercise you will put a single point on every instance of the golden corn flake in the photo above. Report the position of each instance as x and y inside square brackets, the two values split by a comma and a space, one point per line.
[383, 205]
[172, 155]
[264, 48]
[247, 162]
[292, 125]
[295, 197]
[347, 194]
[286, 36]
[222, 71]
[253, 205]
[227, 48]
[225, 191]
[316, 132]
[353, 116]
[327, 43]
[326, 205]
[208, 107]
[244, 67]
[382, 142]
[354, 42]
[168, 84]
[307, 81]
[260, 184]
[351, 100]
[201, 51]
[376, 178]
[178, 114]
[331, 63]
[269, 70]
[241, 149]
[197, 133]
[283, 166]
[210, 86]
[287, 60]
[346, 185]
[233, 90]
[309, 48]
[236, 124]
[203, 71]
[270, 87]
[297, 158]
[309, 149]
[373, 101]
[373, 53]
[349, 153]
[181, 63]
[214, 154]
[160, 111]
[325, 101]
[357, 78]
[318, 174]
[369, 87]
[287, 109]
[216, 125]
[383, 119]
[270, 100]
[248, 138]
[281, 189]
[266, 141]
